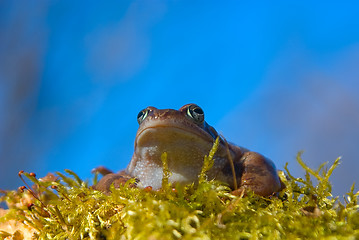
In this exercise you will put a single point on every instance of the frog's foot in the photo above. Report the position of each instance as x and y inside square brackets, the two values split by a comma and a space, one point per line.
[117, 179]
[258, 175]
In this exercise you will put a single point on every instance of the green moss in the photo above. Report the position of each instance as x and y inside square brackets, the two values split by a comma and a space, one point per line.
[72, 210]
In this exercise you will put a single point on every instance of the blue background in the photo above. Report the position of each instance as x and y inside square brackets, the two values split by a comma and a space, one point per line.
[275, 77]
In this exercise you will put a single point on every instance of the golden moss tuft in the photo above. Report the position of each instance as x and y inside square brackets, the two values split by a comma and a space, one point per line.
[68, 208]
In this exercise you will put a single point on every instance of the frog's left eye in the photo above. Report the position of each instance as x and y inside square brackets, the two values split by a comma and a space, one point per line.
[141, 116]
[196, 113]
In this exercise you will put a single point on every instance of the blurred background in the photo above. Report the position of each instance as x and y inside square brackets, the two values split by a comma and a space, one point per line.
[275, 77]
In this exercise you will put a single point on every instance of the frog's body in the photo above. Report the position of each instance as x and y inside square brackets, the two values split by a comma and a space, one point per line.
[187, 138]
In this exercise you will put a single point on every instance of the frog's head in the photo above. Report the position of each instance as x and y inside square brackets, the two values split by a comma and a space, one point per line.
[185, 127]
[184, 135]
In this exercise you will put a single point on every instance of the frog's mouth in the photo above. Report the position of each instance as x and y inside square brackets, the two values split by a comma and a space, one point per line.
[165, 130]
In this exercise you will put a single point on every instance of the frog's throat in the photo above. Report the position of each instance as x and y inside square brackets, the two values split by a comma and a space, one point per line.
[185, 151]
[185, 131]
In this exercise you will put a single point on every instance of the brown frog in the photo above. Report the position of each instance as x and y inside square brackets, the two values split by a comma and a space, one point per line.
[187, 138]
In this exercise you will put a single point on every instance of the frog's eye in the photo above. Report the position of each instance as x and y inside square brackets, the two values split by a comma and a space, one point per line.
[196, 113]
[141, 116]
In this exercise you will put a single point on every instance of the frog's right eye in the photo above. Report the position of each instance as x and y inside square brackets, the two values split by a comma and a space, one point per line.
[196, 113]
[141, 116]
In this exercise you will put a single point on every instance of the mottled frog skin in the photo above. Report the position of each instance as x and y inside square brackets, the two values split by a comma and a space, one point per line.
[187, 138]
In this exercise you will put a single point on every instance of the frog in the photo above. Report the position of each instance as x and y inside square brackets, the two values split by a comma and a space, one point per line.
[186, 138]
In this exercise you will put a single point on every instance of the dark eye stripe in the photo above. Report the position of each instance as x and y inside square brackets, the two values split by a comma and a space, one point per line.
[212, 131]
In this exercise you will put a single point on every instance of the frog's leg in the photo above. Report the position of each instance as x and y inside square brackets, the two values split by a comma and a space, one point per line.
[101, 170]
[258, 174]
[117, 179]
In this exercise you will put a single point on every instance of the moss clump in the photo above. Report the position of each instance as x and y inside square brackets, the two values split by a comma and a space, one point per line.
[66, 207]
